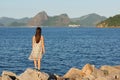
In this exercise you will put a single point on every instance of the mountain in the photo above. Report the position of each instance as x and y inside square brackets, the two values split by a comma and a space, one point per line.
[59, 20]
[23, 20]
[6, 20]
[38, 19]
[110, 22]
[1, 24]
[17, 24]
[89, 20]
[9, 21]
[42, 19]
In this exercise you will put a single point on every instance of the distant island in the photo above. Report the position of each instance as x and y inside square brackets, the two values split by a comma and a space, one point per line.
[42, 19]
[111, 22]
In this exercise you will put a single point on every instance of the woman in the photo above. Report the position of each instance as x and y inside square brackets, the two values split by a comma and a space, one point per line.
[37, 48]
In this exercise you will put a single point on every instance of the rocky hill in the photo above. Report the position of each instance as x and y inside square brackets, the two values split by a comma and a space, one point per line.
[59, 20]
[38, 19]
[113, 22]
[42, 19]
[89, 20]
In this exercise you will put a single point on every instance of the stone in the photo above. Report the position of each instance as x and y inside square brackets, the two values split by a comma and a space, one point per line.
[90, 77]
[114, 76]
[74, 74]
[101, 78]
[62, 78]
[31, 74]
[87, 69]
[98, 73]
[117, 67]
[88, 72]
[110, 69]
[0, 77]
[52, 77]
[7, 75]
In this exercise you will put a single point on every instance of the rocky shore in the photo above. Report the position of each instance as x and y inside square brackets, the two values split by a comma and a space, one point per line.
[88, 72]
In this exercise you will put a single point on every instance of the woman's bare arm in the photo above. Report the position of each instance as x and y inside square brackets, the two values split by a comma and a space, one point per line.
[43, 46]
[32, 41]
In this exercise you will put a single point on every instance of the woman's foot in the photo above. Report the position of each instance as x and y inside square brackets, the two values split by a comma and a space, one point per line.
[38, 69]
[35, 68]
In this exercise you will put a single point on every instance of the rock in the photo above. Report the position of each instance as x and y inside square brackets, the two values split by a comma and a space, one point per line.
[62, 78]
[91, 73]
[74, 74]
[114, 76]
[101, 78]
[90, 77]
[110, 69]
[31, 74]
[6, 75]
[85, 73]
[87, 69]
[88, 72]
[117, 67]
[0, 78]
[98, 73]
[52, 77]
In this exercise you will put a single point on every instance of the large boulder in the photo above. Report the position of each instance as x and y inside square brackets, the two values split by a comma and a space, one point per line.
[90, 77]
[98, 73]
[7, 75]
[31, 74]
[0, 78]
[101, 78]
[87, 69]
[114, 76]
[74, 74]
[117, 67]
[110, 69]
[77, 74]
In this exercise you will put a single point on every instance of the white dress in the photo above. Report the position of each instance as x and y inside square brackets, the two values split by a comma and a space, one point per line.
[36, 52]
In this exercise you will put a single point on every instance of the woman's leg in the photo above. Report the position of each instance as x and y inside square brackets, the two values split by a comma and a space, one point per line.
[35, 63]
[39, 64]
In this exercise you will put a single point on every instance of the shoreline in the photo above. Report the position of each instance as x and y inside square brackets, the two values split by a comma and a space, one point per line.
[88, 72]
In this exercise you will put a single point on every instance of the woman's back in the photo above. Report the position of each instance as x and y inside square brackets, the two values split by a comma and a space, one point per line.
[37, 47]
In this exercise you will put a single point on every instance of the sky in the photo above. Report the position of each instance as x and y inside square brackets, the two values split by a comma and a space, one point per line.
[74, 8]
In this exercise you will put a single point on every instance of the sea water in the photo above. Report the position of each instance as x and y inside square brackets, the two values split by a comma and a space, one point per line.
[64, 48]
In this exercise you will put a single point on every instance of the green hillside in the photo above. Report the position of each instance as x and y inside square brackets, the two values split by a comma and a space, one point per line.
[89, 20]
[17, 24]
[110, 22]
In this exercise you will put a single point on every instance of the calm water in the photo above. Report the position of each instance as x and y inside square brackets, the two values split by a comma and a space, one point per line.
[65, 48]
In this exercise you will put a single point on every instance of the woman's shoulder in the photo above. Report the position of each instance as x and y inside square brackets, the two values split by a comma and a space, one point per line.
[42, 36]
[33, 36]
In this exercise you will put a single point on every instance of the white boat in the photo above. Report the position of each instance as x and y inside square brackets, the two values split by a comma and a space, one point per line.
[73, 25]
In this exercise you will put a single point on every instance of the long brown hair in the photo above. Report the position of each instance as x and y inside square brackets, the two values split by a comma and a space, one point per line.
[38, 34]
